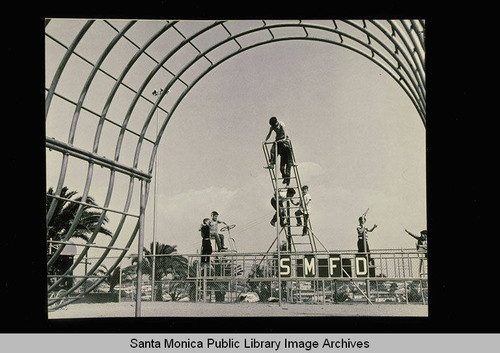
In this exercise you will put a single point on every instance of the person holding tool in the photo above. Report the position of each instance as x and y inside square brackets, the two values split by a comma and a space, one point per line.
[363, 237]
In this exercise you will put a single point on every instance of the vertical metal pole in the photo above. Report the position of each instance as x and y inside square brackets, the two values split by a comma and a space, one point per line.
[278, 223]
[86, 274]
[199, 282]
[403, 262]
[396, 268]
[422, 291]
[204, 286]
[140, 247]
[368, 291]
[406, 292]
[120, 286]
[365, 241]
[335, 290]
[155, 185]
[324, 294]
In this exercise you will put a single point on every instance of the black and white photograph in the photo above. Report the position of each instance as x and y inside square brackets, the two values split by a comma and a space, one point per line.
[189, 179]
[236, 168]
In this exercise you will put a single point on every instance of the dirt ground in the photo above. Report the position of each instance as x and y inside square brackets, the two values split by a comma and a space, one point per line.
[189, 309]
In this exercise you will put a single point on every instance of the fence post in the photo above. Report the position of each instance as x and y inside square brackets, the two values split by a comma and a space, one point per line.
[368, 291]
[422, 291]
[335, 291]
[324, 294]
[120, 286]
[406, 291]
[278, 223]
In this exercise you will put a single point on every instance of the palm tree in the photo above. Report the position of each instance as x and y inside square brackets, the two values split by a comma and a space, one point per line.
[174, 265]
[65, 213]
[64, 217]
[113, 279]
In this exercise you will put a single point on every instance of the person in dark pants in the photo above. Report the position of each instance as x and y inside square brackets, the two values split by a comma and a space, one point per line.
[304, 210]
[289, 194]
[363, 238]
[206, 244]
[279, 129]
[286, 162]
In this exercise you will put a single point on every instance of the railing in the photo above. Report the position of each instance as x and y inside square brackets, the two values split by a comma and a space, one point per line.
[397, 276]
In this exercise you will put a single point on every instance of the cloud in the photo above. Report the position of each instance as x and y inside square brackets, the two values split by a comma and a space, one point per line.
[197, 203]
[309, 170]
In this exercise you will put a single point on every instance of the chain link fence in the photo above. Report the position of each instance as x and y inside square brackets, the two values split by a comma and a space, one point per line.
[395, 276]
[385, 276]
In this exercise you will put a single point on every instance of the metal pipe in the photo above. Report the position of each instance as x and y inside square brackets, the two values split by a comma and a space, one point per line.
[120, 286]
[278, 221]
[75, 221]
[112, 241]
[62, 65]
[95, 69]
[91, 205]
[399, 79]
[87, 245]
[155, 192]
[54, 144]
[324, 294]
[140, 250]
[141, 89]
[232, 38]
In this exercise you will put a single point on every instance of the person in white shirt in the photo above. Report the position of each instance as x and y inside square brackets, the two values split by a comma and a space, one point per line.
[304, 209]
[213, 223]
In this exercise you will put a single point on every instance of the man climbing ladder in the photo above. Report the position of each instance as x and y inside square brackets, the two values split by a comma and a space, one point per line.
[282, 146]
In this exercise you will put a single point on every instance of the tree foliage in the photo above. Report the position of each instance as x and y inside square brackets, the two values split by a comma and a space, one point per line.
[65, 213]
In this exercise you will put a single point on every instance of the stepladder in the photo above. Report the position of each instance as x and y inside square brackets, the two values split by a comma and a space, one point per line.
[291, 215]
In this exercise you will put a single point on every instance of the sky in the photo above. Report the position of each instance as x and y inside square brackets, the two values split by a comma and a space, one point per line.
[358, 141]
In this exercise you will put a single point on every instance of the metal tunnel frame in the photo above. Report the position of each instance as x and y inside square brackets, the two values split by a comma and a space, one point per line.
[396, 46]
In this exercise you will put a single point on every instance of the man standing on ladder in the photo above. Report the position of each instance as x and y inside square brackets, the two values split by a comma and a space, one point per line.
[279, 128]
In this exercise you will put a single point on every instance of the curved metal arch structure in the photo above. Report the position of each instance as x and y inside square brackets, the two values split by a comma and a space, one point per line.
[396, 46]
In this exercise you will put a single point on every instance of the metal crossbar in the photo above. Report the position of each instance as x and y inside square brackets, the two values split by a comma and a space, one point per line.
[94, 158]
[91, 205]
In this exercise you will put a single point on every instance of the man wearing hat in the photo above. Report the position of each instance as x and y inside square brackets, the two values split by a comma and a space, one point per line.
[214, 231]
